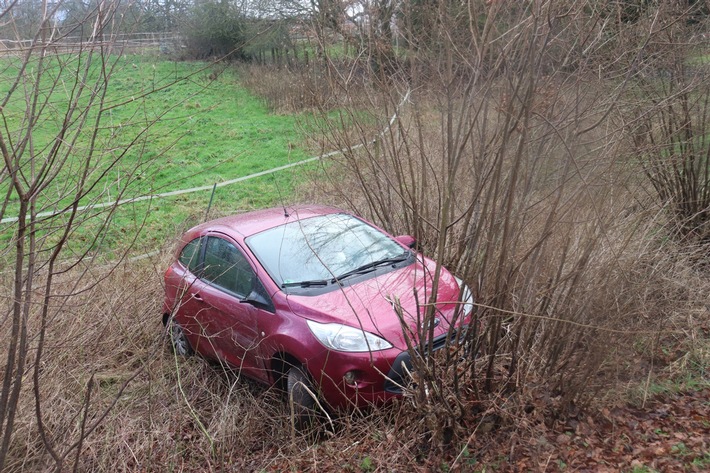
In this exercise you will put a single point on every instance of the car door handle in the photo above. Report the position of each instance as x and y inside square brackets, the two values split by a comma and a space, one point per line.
[198, 297]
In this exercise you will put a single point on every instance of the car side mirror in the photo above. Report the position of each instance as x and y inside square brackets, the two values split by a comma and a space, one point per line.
[257, 297]
[407, 240]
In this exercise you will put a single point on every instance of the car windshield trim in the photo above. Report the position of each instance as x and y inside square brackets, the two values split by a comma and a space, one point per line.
[317, 251]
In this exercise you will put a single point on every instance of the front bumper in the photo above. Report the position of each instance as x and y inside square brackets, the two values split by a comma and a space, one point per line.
[379, 376]
[398, 375]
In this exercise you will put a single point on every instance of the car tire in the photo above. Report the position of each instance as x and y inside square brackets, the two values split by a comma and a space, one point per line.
[181, 345]
[301, 397]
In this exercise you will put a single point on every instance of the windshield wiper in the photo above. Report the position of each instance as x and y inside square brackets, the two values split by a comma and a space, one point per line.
[366, 268]
[315, 282]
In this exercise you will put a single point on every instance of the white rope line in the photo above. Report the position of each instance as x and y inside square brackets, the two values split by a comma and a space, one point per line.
[181, 191]
[219, 184]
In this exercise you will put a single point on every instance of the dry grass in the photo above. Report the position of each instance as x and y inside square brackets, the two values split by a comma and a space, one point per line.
[189, 415]
[520, 184]
[107, 370]
[302, 88]
[639, 311]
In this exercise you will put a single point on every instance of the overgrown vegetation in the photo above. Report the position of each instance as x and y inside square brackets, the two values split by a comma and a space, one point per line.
[553, 154]
[200, 136]
[515, 160]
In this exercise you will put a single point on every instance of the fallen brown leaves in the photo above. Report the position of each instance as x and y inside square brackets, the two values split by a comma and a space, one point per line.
[671, 434]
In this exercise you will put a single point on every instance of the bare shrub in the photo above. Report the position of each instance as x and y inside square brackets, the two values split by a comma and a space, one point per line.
[59, 147]
[504, 163]
[284, 90]
[665, 106]
[212, 29]
[669, 128]
[303, 88]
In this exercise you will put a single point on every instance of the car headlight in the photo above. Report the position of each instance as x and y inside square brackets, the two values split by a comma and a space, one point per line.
[466, 297]
[344, 338]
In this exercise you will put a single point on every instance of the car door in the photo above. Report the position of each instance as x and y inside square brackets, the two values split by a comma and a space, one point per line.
[187, 298]
[234, 323]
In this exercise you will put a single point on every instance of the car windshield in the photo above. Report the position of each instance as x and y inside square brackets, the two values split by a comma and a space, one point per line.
[315, 250]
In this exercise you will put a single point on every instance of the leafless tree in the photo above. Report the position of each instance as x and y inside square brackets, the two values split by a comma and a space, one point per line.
[669, 119]
[60, 153]
[504, 163]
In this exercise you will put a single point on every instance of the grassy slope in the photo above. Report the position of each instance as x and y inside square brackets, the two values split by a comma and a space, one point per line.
[223, 132]
[208, 130]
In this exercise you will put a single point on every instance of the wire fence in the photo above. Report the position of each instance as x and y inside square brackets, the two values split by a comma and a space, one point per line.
[131, 42]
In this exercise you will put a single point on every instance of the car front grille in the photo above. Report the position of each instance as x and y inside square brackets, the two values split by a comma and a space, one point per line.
[398, 376]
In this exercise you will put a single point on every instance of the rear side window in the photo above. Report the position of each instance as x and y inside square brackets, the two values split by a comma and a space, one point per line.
[190, 254]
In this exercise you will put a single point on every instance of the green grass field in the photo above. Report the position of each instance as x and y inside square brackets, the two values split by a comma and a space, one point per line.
[198, 126]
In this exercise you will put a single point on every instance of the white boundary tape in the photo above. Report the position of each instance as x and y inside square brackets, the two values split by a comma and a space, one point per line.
[219, 184]
[184, 191]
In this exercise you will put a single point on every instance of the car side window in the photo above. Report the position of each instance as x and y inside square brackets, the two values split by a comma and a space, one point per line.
[225, 266]
[190, 255]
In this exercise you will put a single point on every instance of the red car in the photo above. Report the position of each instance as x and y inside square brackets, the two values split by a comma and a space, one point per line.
[311, 298]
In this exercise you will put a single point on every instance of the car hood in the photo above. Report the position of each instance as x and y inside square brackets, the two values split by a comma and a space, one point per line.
[370, 304]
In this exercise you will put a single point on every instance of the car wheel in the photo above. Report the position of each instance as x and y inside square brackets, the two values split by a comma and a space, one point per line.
[301, 397]
[180, 343]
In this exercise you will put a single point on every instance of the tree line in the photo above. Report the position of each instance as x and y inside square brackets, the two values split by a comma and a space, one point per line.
[265, 30]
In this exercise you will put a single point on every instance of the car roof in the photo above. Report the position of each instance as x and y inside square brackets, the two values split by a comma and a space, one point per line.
[250, 223]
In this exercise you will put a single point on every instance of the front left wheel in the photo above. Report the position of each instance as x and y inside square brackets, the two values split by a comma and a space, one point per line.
[301, 397]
